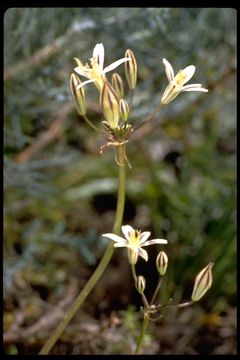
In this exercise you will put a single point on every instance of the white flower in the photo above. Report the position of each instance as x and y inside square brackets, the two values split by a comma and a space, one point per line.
[134, 240]
[176, 83]
[96, 72]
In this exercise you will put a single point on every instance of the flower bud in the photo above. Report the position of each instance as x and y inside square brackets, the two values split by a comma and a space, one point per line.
[140, 284]
[109, 104]
[203, 282]
[131, 69]
[78, 94]
[117, 84]
[123, 109]
[162, 262]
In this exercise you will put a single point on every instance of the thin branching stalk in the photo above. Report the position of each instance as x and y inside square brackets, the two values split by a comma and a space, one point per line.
[134, 272]
[131, 98]
[104, 261]
[188, 303]
[150, 117]
[156, 291]
[90, 123]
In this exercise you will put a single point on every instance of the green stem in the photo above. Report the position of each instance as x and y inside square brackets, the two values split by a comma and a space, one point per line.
[104, 261]
[156, 291]
[141, 336]
[144, 299]
[134, 272]
[188, 303]
[150, 117]
[131, 98]
[145, 321]
[121, 157]
[90, 123]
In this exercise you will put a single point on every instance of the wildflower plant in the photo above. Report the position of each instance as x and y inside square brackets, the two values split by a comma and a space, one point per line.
[117, 129]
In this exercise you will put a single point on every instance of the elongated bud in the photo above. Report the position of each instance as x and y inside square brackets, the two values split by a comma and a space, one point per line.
[162, 262]
[131, 69]
[140, 284]
[203, 282]
[78, 94]
[109, 104]
[117, 84]
[123, 109]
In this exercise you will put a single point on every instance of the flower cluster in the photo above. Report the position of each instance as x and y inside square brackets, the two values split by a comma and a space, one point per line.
[134, 240]
[118, 129]
[114, 107]
[111, 94]
[116, 110]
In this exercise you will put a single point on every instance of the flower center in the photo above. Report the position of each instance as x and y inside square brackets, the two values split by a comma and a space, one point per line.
[95, 69]
[93, 72]
[180, 78]
[134, 240]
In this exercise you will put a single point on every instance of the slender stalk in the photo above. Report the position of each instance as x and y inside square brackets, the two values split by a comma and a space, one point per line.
[144, 299]
[156, 291]
[141, 336]
[183, 304]
[188, 303]
[90, 123]
[131, 98]
[121, 188]
[145, 321]
[134, 272]
[104, 261]
[150, 117]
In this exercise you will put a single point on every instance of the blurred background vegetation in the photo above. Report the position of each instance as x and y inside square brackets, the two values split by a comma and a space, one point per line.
[60, 193]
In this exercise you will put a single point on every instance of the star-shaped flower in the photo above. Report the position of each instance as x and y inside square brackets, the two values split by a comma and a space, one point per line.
[176, 83]
[96, 72]
[134, 240]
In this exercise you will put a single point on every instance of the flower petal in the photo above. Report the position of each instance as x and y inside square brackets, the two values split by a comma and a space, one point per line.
[119, 245]
[189, 71]
[118, 239]
[143, 254]
[84, 83]
[144, 236]
[193, 88]
[80, 71]
[168, 69]
[115, 64]
[127, 230]
[79, 63]
[98, 55]
[155, 241]
[191, 85]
